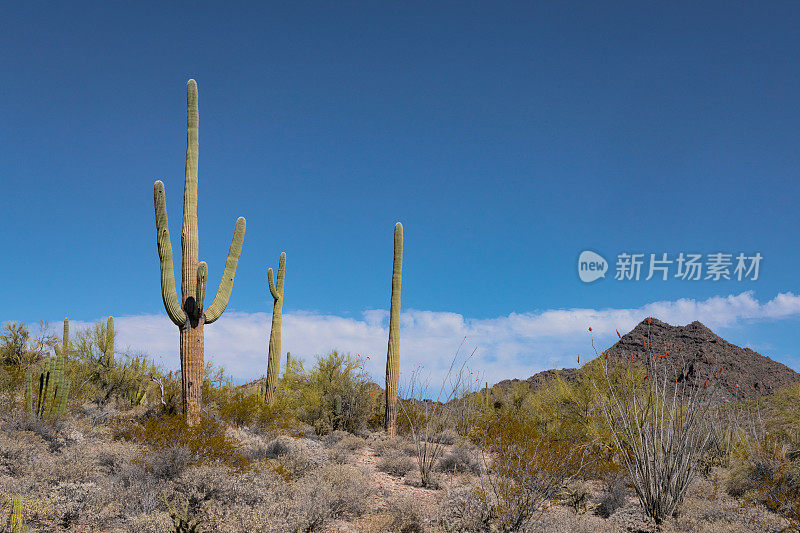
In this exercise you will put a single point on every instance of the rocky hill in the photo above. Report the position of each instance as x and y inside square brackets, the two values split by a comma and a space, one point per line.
[755, 374]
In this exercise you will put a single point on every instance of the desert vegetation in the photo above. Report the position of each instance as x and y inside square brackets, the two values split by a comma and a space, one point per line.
[120, 456]
[653, 437]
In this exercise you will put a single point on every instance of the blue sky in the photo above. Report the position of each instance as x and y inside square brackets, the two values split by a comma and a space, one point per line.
[507, 139]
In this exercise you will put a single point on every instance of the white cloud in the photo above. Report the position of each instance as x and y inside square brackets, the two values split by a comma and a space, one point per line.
[516, 345]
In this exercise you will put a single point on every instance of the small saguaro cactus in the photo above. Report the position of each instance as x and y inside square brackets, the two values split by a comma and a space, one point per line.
[288, 365]
[393, 351]
[188, 312]
[273, 358]
[108, 351]
[15, 519]
[64, 349]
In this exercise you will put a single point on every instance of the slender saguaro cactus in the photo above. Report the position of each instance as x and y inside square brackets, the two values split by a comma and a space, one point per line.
[393, 352]
[64, 350]
[109, 347]
[188, 313]
[288, 364]
[273, 359]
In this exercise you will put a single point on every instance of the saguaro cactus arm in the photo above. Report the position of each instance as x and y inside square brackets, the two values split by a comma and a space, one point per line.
[202, 277]
[220, 301]
[277, 293]
[168, 292]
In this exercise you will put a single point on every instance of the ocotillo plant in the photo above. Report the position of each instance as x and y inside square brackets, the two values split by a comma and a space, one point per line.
[64, 350]
[273, 359]
[51, 398]
[393, 351]
[188, 313]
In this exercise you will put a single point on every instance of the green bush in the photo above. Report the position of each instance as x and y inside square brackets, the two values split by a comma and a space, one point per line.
[204, 443]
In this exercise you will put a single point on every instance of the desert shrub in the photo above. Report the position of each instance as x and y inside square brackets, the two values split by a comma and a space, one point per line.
[19, 350]
[396, 463]
[404, 516]
[447, 437]
[382, 444]
[295, 457]
[332, 491]
[237, 501]
[101, 372]
[342, 445]
[204, 442]
[334, 437]
[461, 459]
[766, 473]
[343, 376]
[576, 495]
[279, 446]
[351, 443]
[528, 468]
[51, 430]
[169, 462]
[612, 499]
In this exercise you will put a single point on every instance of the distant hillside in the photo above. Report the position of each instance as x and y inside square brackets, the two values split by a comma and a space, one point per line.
[754, 373]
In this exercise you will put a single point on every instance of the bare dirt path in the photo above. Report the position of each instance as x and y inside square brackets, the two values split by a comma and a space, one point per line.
[389, 486]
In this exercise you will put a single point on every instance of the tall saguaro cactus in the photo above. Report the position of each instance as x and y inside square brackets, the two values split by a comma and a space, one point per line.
[393, 352]
[273, 359]
[188, 313]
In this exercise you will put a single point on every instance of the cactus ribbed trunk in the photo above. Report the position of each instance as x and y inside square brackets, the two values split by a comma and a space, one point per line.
[393, 351]
[274, 354]
[192, 344]
[188, 313]
[191, 334]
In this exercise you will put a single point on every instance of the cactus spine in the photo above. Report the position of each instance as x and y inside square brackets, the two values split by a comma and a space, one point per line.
[15, 519]
[393, 351]
[273, 358]
[188, 313]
